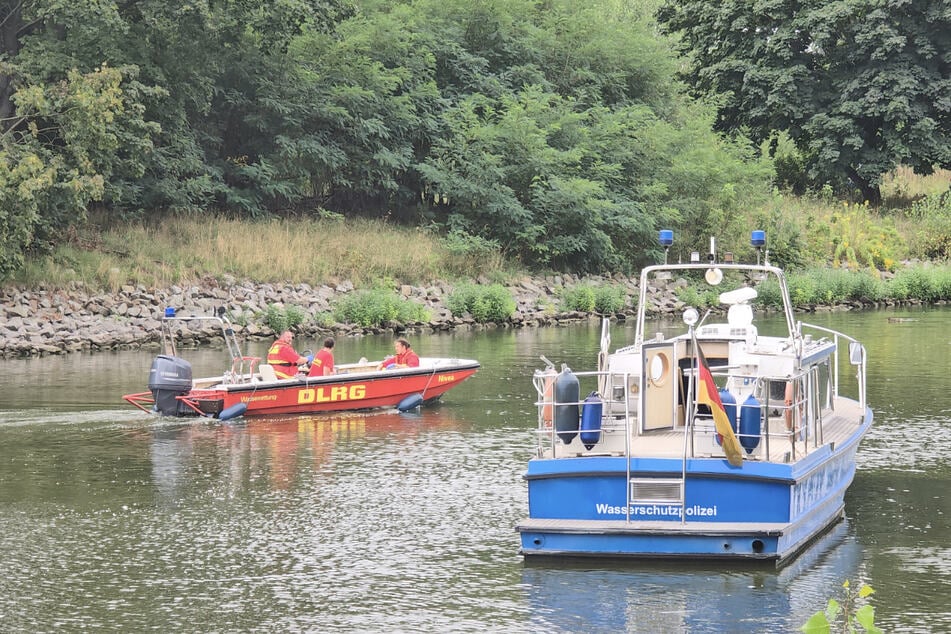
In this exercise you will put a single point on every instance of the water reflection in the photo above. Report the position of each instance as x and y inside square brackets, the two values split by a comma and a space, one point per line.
[572, 596]
[280, 451]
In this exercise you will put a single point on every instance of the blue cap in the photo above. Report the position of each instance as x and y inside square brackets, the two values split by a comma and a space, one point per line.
[758, 238]
[666, 237]
[169, 311]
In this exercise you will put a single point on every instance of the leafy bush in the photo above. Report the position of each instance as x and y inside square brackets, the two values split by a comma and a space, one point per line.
[692, 296]
[485, 303]
[378, 307]
[276, 318]
[608, 299]
[295, 316]
[932, 218]
[924, 284]
[279, 318]
[580, 298]
[768, 294]
[866, 287]
[860, 238]
[942, 283]
[804, 291]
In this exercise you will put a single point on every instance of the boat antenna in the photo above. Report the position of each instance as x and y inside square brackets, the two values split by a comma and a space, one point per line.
[700, 323]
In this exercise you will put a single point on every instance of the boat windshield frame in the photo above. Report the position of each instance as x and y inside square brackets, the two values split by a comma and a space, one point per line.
[227, 333]
[648, 272]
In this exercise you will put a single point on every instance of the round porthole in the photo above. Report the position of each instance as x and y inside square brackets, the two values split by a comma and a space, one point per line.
[658, 368]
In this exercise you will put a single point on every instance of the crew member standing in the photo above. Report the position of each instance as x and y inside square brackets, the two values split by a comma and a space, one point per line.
[283, 358]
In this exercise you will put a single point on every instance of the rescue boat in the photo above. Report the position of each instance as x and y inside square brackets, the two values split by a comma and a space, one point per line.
[250, 387]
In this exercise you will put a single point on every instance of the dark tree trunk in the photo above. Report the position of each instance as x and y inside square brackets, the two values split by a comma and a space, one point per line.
[870, 192]
[11, 21]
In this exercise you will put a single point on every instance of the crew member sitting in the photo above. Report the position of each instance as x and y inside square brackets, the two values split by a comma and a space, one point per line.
[283, 358]
[404, 358]
[323, 364]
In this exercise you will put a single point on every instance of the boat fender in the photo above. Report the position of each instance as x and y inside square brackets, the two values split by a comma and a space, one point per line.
[410, 402]
[567, 411]
[591, 420]
[233, 412]
[750, 417]
[729, 406]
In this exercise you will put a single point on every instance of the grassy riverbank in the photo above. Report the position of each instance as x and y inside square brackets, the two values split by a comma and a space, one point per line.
[808, 233]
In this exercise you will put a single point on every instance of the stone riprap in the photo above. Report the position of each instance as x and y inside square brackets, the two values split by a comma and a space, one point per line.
[41, 321]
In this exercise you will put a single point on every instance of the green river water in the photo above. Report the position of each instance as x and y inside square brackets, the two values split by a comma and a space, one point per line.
[116, 521]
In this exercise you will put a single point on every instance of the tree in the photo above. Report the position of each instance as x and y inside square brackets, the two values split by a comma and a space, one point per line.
[140, 105]
[860, 85]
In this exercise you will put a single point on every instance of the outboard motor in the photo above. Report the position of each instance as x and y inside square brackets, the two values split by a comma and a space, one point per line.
[168, 378]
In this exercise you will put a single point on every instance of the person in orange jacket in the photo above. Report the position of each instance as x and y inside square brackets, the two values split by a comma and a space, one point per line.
[283, 358]
[404, 357]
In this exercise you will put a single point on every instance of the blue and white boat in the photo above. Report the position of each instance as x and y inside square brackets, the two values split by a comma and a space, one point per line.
[714, 442]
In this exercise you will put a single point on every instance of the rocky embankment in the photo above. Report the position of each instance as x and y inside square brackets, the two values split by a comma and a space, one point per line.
[42, 321]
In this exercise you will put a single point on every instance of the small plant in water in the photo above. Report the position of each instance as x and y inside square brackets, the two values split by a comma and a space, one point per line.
[845, 617]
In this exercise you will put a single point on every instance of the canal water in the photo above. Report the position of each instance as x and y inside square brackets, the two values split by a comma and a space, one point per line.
[113, 520]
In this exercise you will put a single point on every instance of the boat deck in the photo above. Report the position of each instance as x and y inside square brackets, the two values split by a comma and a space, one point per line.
[779, 445]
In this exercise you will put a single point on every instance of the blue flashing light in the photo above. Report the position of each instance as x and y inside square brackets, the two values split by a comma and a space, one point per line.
[666, 237]
[758, 238]
[169, 311]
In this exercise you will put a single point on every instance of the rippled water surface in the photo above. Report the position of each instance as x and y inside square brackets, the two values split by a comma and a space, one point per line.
[113, 520]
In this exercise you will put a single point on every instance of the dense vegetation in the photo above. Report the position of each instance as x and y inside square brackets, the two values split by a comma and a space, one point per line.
[549, 133]
[859, 85]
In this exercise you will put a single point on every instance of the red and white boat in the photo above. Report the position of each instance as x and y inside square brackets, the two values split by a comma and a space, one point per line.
[251, 388]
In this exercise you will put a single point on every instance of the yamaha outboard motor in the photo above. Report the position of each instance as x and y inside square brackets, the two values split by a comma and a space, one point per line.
[168, 378]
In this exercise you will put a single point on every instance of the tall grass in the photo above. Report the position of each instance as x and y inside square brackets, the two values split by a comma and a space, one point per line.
[190, 248]
[813, 231]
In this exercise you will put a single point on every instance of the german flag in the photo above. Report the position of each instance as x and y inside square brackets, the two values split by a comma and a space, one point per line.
[708, 394]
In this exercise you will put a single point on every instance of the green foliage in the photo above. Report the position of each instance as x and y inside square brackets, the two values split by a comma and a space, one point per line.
[56, 158]
[280, 318]
[275, 318]
[586, 298]
[858, 240]
[926, 284]
[493, 303]
[324, 319]
[697, 297]
[378, 308]
[579, 297]
[845, 617]
[467, 245]
[295, 316]
[769, 295]
[549, 134]
[857, 85]
[932, 221]
[609, 299]
[835, 286]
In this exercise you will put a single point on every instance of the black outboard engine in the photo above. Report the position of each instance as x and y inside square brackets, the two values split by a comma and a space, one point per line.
[168, 378]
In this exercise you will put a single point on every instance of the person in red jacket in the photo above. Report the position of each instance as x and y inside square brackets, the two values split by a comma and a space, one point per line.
[283, 358]
[404, 357]
[323, 364]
